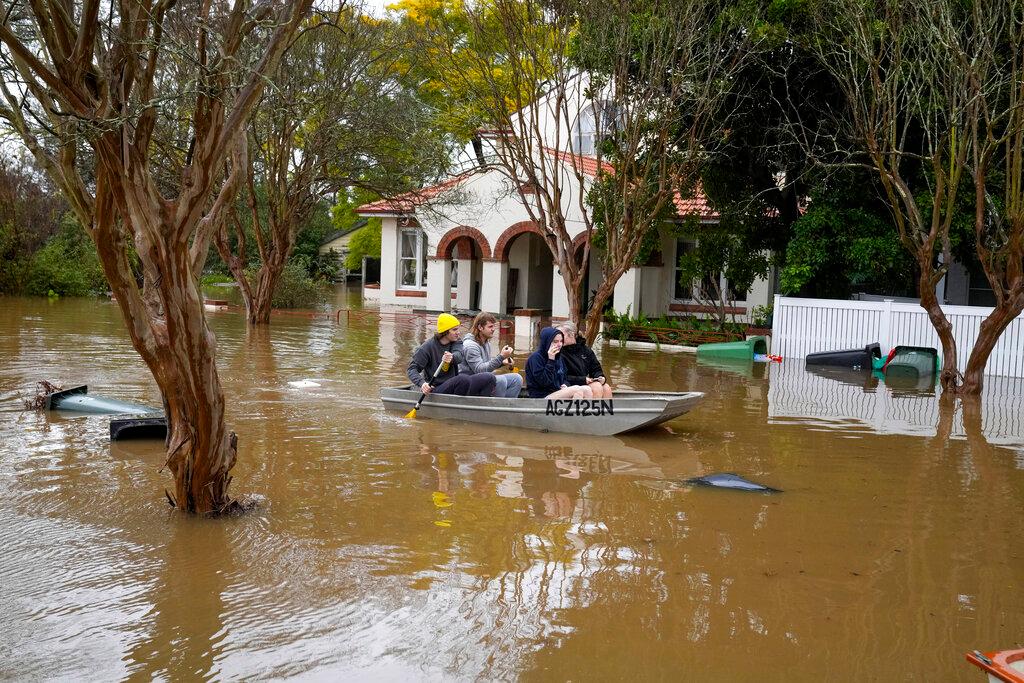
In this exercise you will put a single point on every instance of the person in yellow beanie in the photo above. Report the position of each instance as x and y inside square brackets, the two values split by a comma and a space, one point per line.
[444, 350]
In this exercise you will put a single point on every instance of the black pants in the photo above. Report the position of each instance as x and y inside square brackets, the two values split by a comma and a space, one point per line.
[480, 384]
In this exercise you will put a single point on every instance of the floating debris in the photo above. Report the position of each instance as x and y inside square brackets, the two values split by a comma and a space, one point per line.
[727, 480]
[303, 384]
[77, 400]
[150, 426]
[41, 401]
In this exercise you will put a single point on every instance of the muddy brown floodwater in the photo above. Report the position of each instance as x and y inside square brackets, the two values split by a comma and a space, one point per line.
[406, 549]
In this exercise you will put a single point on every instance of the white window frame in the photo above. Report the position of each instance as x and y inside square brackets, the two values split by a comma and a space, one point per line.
[586, 131]
[420, 257]
[722, 280]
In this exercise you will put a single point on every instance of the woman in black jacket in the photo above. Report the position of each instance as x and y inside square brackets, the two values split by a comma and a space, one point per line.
[581, 364]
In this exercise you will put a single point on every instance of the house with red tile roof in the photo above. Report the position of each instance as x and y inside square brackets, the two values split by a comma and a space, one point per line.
[468, 243]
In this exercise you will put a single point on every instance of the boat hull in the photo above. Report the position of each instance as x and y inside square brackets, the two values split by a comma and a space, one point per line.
[626, 412]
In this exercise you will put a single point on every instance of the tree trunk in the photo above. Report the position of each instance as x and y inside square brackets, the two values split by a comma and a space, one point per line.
[596, 313]
[988, 335]
[949, 375]
[180, 350]
[258, 311]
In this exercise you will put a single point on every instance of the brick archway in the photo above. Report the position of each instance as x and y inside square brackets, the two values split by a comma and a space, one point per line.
[447, 243]
[578, 241]
[511, 232]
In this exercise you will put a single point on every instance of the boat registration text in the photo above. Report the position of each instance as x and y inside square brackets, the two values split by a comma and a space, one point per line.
[578, 407]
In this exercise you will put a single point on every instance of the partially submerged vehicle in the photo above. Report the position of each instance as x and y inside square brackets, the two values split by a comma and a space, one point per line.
[131, 421]
[625, 412]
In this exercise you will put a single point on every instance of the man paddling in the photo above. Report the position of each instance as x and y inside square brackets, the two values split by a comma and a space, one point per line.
[444, 350]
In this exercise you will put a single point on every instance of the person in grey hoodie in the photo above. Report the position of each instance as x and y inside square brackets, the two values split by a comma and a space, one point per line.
[434, 364]
[476, 353]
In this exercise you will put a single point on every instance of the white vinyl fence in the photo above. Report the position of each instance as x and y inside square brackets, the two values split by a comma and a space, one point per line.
[796, 396]
[803, 326]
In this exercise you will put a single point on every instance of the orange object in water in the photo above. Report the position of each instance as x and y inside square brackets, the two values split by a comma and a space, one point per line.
[1000, 665]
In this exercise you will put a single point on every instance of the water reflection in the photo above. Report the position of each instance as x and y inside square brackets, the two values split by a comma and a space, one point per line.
[418, 549]
[852, 401]
[746, 368]
[550, 469]
[182, 633]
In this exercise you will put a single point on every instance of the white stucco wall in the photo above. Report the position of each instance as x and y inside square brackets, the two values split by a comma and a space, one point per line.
[489, 202]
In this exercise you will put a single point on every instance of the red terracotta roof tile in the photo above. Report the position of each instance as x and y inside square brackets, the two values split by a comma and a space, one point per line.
[407, 202]
[587, 164]
[692, 206]
[697, 205]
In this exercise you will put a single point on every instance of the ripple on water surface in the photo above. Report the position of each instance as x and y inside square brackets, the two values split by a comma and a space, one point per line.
[419, 549]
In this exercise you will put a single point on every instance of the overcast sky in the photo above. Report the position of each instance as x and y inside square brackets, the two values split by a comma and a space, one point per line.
[376, 7]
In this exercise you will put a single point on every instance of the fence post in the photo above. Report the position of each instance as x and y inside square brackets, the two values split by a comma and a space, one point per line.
[777, 339]
[885, 327]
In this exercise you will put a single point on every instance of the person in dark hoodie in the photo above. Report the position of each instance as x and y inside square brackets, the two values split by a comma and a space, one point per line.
[545, 372]
[445, 348]
[581, 364]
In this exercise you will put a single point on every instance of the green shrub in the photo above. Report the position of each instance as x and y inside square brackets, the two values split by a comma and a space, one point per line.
[67, 265]
[665, 329]
[296, 289]
[762, 316]
[13, 262]
[215, 279]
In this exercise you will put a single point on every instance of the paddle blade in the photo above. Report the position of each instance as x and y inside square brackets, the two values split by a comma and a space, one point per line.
[411, 415]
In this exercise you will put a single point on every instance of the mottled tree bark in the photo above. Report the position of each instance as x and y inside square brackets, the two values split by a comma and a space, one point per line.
[97, 87]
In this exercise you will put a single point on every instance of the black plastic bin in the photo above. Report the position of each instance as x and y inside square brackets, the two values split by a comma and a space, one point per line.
[857, 359]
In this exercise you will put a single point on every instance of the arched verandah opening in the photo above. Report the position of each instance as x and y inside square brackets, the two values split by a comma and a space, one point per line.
[456, 270]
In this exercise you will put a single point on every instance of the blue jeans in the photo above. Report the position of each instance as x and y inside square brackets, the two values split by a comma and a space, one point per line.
[508, 385]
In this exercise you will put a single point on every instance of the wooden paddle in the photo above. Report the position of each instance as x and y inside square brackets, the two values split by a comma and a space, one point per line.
[412, 413]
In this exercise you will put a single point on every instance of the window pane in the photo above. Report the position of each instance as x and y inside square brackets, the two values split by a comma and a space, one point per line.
[709, 286]
[734, 295]
[423, 259]
[407, 271]
[682, 291]
[408, 244]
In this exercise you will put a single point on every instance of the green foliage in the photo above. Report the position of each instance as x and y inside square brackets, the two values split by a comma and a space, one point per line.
[13, 261]
[762, 315]
[295, 288]
[665, 329]
[67, 265]
[607, 207]
[723, 248]
[307, 245]
[30, 214]
[845, 242]
[343, 213]
[324, 267]
[215, 279]
[365, 242]
[467, 66]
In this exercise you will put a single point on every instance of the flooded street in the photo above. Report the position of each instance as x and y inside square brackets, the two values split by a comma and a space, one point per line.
[416, 549]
